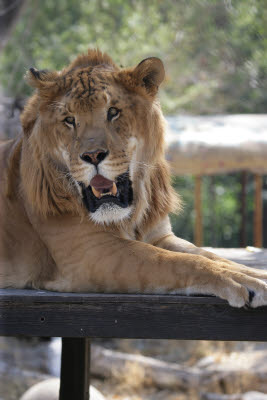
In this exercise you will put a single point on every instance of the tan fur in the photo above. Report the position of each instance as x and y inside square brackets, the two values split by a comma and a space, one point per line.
[48, 238]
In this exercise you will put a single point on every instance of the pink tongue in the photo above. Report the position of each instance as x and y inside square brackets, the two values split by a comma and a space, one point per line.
[100, 183]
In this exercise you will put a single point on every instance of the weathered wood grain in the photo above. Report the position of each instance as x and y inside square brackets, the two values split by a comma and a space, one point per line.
[125, 316]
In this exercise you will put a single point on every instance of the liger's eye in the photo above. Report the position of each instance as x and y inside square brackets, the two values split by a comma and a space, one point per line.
[70, 121]
[113, 113]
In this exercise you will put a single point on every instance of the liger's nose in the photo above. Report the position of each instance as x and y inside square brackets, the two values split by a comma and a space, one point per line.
[94, 157]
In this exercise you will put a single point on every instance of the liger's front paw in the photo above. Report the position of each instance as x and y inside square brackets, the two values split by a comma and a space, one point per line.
[241, 290]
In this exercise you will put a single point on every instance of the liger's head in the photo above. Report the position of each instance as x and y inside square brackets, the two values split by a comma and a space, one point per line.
[101, 127]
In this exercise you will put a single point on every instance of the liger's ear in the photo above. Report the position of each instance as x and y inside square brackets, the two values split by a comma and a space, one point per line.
[41, 79]
[149, 73]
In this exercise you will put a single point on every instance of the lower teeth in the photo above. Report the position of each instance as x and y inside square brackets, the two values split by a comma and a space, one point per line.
[114, 192]
[106, 194]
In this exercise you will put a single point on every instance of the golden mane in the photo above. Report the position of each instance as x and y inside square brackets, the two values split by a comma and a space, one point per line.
[48, 189]
[93, 58]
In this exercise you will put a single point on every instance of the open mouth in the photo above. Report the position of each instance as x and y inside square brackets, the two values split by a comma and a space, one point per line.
[102, 190]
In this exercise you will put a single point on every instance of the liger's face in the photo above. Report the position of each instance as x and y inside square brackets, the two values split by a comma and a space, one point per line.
[97, 138]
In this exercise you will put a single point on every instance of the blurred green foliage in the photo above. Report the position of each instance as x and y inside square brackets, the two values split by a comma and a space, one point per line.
[215, 51]
[221, 209]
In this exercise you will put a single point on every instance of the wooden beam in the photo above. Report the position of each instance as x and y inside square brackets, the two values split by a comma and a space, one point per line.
[198, 236]
[243, 210]
[75, 369]
[258, 211]
[84, 315]
[212, 217]
[9, 16]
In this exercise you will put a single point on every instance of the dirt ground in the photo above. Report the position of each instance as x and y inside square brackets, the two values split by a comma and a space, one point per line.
[24, 362]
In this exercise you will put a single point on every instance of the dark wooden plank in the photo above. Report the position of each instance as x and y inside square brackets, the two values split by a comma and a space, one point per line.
[23, 296]
[206, 318]
[75, 369]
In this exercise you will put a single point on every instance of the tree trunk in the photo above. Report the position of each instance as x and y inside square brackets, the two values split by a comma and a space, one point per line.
[208, 375]
[10, 11]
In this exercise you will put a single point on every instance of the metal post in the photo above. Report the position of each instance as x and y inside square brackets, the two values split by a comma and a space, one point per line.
[75, 369]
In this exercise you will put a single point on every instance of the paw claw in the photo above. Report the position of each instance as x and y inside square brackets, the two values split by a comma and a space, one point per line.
[251, 296]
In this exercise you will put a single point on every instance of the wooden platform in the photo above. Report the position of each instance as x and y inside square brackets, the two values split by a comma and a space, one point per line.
[77, 317]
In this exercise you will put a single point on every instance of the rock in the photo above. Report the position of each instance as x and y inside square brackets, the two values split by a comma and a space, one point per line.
[254, 396]
[245, 396]
[216, 396]
[49, 390]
